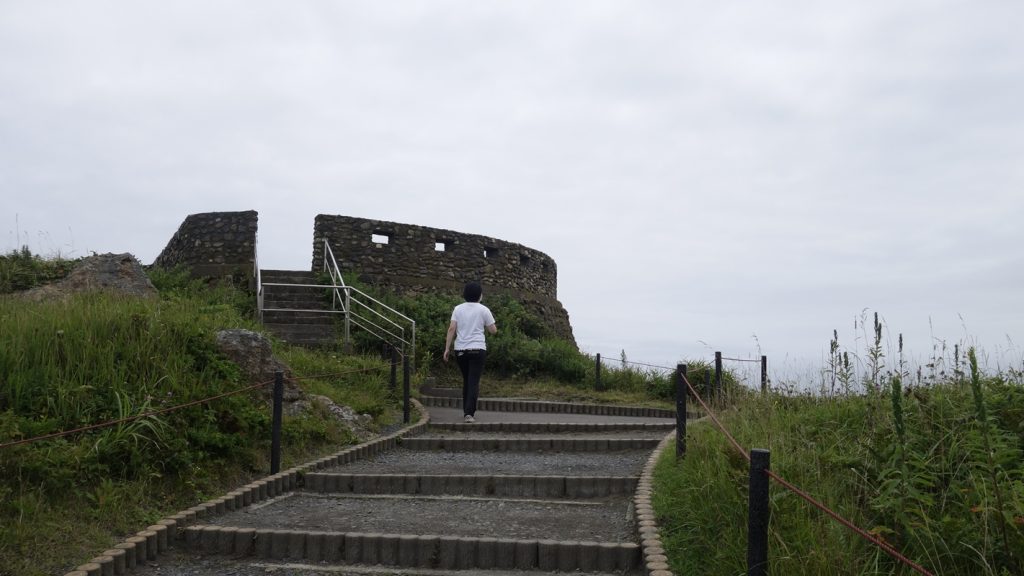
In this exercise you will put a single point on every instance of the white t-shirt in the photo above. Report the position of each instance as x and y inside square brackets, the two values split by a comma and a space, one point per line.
[471, 318]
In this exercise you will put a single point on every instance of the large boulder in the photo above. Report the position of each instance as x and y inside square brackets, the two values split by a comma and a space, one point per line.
[252, 353]
[116, 273]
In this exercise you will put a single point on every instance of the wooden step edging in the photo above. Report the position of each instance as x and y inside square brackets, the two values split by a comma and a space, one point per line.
[426, 551]
[148, 544]
[472, 485]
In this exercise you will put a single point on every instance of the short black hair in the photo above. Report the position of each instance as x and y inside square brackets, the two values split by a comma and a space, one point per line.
[472, 292]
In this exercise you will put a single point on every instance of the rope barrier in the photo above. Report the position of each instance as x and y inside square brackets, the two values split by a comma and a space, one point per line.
[178, 407]
[859, 531]
[132, 418]
[336, 374]
[604, 356]
[649, 365]
[714, 418]
[742, 359]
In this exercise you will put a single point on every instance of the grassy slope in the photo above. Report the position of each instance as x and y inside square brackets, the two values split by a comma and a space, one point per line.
[929, 490]
[96, 358]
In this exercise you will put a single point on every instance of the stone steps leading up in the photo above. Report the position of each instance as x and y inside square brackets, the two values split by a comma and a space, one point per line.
[314, 329]
[444, 497]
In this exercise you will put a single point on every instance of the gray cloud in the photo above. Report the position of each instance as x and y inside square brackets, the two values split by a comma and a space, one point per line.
[700, 173]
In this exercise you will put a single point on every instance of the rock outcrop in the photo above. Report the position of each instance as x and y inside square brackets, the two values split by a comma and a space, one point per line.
[115, 273]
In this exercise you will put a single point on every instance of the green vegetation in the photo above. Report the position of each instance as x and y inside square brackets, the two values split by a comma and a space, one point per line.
[933, 465]
[96, 358]
[936, 471]
[524, 358]
[21, 270]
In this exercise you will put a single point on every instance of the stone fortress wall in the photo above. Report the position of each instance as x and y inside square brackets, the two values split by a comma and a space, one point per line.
[415, 258]
[403, 257]
[213, 244]
[380, 249]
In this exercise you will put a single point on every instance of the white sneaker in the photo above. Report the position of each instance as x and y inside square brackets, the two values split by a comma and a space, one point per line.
[469, 419]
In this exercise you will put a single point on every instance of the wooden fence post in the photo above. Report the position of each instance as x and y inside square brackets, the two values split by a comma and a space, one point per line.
[764, 374]
[275, 430]
[718, 376]
[759, 513]
[680, 378]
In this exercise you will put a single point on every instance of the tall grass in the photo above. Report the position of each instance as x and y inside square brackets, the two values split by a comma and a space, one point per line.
[936, 471]
[96, 358]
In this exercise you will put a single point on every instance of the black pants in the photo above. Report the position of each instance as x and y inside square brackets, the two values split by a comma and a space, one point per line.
[471, 363]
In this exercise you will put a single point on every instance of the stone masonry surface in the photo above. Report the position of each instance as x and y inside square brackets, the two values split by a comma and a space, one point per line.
[213, 244]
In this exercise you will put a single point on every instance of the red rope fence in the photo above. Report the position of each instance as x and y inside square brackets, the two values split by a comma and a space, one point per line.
[170, 409]
[806, 497]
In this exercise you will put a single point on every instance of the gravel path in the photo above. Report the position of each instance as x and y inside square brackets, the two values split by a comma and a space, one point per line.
[598, 520]
[624, 463]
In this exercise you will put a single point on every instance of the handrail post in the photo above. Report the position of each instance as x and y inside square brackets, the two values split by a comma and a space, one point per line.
[348, 320]
[597, 373]
[718, 377]
[764, 374]
[405, 389]
[759, 513]
[413, 345]
[680, 378]
[394, 369]
[275, 433]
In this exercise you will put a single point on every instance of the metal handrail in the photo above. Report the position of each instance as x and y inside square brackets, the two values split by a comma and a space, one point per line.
[332, 271]
[256, 273]
[344, 294]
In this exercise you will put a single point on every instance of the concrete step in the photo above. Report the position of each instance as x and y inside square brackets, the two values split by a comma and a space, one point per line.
[314, 299]
[190, 563]
[573, 487]
[466, 463]
[413, 550]
[514, 405]
[304, 334]
[304, 318]
[288, 276]
[638, 428]
[535, 444]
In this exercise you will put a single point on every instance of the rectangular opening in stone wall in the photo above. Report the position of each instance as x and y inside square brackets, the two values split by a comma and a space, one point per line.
[524, 259]
[380, 237]
[440, 245]
[490, 252]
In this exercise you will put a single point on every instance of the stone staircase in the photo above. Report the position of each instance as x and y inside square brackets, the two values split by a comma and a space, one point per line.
[539, 487]
[313, 329]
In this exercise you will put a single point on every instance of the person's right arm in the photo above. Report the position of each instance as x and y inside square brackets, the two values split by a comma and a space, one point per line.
[448, 339]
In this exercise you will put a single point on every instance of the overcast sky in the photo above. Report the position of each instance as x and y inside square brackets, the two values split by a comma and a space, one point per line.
[734, 176]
